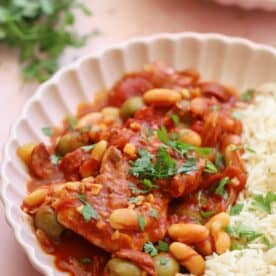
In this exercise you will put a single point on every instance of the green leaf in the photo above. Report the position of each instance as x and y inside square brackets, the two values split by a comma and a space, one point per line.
[243, 232]
[150, 249]
[154, 213]
[88, 212]
[237, 115]
[55, 159]
[236, 246]
[85, 261]
[264, 202]
[141, 222]
[88, 147]
[165, 166]
[219, 160]
[220, 190]
[162, 134]
[210, 167]
[163, 260]
[188, 166]
[82, 198]
[72, 122]
[163, 246]
[236, 209]
[47, 131]
[175, 119]
[207, 214]
[133, 200]
[135, 190]
[248, 95]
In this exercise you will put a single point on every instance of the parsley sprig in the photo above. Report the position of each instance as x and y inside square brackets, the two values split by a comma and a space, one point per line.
[88, 212]
[41, 30]
[264, 202]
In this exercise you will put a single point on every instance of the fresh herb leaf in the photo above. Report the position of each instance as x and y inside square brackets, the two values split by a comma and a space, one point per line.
[163, 260]
[236, 209]
[248, 95]
[47, 131]
[133, 200]
[165, 166]
[136, 190]
[142, 167]
[236, 246]
[210, 167]
[154, 213]
[188, 166]
[237, 115]
[207, 214]
[174, 136]
[141, 222]
[72, 122]
[85, 261]
[175, 119]
[55, 159]
[150, 249]
[82, 198]
[147, 183]
[88, 147]
[250, 150]
[163, 246]
[267, 242]
[220, 190]
[88, 212]
[219, 160]
[243, 232]
[162, 134]
[41, 31]
[264, 202]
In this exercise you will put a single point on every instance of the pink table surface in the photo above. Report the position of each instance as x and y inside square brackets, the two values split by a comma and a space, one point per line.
[118, 20]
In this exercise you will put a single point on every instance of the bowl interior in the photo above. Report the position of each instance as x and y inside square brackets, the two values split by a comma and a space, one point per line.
[234, 62]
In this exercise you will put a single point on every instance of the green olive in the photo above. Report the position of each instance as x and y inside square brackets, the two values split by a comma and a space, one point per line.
[68, 143]
[130, 106]
[166, 265]
[119, 267]
[46, 220]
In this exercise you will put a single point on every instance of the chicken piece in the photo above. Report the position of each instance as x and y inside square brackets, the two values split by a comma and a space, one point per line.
[113, 194]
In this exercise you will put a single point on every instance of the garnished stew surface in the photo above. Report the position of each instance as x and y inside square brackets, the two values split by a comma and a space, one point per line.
[138, 182]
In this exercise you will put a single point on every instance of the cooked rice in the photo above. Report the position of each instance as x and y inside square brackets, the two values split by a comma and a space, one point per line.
[259, 122]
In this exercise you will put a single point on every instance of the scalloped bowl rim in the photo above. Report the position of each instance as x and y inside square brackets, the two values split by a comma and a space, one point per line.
[121, 46]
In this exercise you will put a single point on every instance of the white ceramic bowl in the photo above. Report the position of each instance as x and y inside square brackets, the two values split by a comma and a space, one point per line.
[232, 61]
[268, 5]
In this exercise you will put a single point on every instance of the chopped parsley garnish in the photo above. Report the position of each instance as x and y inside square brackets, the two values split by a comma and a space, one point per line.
[88, 147]
[264, 202]
[236, 209]
[210, 167]
[87, 211]
[165, 166]
[55, 159]
[219, 160]
[133, 200]
[162, 134]
[154, 213]
[188, 166]
[141, 223]
[85, 261]
[175, 119]
[142, 167]
[47, 131]
[247, 96]
[236, 246]
[136, 190]
[147, 183]
[220, 190]
[72, 122]
[207, 214]
[150, 249]
[237, 115]
[163, 246]
[240, 147]
[243, 232]
[163, 260]
[174, 136]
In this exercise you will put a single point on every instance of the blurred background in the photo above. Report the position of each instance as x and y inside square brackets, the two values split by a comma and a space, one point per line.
[113, 21]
